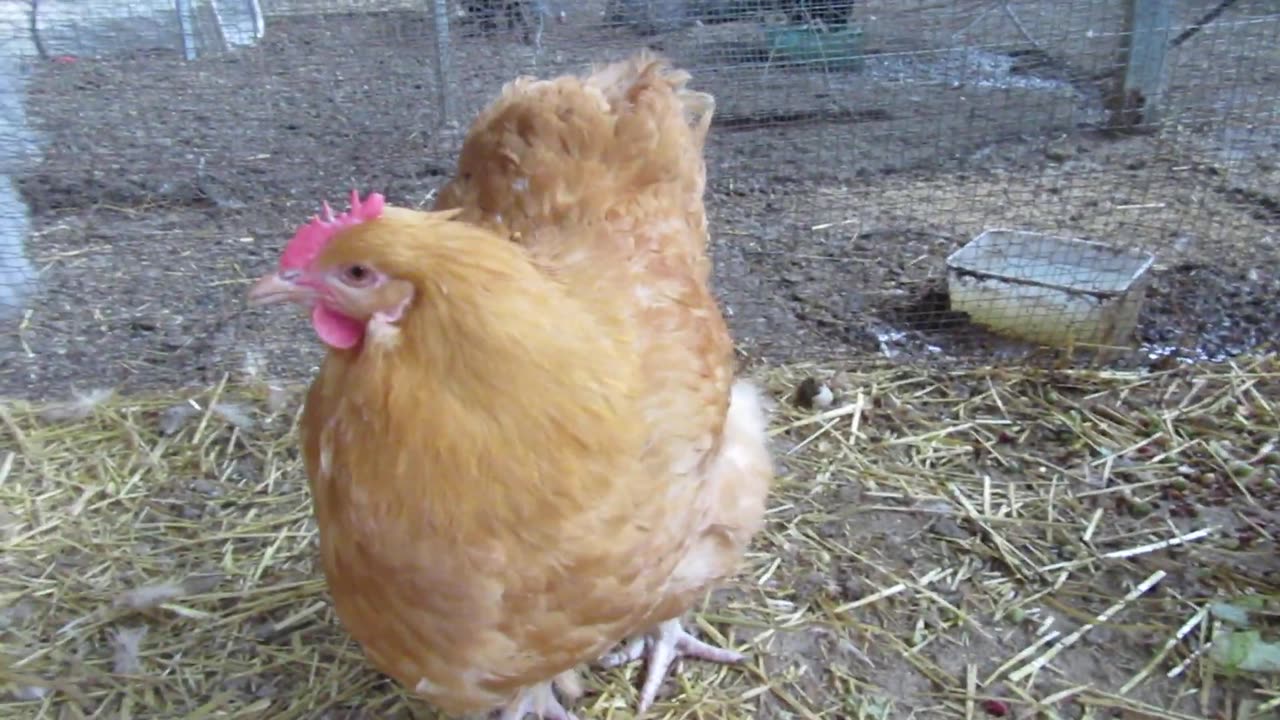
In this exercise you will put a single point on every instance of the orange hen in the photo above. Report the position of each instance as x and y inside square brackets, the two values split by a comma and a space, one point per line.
[523, 453]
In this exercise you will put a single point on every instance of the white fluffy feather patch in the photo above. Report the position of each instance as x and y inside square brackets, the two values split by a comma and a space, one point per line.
[381, 334]
[743, 456]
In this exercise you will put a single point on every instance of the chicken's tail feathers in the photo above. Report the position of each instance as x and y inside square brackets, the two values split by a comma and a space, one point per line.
[647, 73]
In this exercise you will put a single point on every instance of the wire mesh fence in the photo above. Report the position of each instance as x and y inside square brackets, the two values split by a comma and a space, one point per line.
[157, 154]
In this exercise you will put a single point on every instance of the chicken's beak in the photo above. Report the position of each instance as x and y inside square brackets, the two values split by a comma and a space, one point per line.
[280, 287]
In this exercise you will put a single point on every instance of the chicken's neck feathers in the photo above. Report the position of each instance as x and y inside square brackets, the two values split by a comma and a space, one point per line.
[479, 420]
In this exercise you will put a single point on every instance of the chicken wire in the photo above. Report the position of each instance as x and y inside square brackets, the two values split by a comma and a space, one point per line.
[157, 154]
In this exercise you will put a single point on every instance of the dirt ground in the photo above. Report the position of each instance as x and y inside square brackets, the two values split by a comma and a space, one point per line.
[835, 197]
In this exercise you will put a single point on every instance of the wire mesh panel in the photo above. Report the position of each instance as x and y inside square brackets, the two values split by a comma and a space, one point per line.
[159, 154]
[922, 184]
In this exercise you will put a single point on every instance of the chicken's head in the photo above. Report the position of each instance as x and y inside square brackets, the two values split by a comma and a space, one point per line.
[343, 296]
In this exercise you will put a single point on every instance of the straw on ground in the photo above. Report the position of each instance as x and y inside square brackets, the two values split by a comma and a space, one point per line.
[954, 543]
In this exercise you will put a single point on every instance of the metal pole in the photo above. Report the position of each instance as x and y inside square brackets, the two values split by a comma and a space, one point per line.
[187, 23]
[444, 64]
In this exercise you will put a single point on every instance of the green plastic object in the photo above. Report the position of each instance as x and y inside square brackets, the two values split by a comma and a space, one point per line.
[805, 44]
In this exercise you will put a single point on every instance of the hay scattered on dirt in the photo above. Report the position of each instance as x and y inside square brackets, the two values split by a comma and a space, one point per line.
[949, 544]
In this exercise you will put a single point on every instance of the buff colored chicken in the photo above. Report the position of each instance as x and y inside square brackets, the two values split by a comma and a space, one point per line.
[525, 444]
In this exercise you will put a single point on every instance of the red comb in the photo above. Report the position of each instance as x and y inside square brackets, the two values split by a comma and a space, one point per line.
[312, 237]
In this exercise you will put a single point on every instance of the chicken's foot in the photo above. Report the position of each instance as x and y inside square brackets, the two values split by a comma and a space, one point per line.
[543, 701]
[661, 647]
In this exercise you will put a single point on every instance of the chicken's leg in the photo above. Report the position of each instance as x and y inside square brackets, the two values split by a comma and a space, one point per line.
[661, 647]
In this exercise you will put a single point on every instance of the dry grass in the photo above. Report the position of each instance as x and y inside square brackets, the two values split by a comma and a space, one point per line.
[941, 544]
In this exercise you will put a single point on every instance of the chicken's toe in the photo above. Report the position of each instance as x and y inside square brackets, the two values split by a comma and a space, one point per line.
[631, 651]
[661, 647]
[539, 701]
[568, 686]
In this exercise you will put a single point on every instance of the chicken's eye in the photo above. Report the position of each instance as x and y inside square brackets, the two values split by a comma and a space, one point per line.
[357, 275]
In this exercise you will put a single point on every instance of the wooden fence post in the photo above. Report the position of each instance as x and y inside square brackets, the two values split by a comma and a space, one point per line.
[1138, 98]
